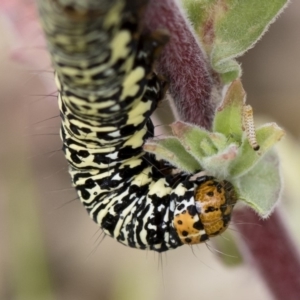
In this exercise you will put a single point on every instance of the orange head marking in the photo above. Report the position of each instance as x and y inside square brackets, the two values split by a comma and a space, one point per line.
[210, 214]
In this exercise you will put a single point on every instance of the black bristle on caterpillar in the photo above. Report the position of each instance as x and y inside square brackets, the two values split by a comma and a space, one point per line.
[107, 92]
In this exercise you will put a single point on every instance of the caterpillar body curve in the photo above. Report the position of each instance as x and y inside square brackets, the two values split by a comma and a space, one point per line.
[107, 92]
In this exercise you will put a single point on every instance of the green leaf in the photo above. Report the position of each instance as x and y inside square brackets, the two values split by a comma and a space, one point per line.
[240, 25]
[218, 165]
[261, 187]
[197, 10]
[229, 70]
[228, 28]
[202, 15]
[171, 150]
[198, 141]
[228, 118]
[267, 136]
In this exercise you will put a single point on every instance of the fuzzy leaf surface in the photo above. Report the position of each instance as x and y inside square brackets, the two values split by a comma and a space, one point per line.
[228, 28]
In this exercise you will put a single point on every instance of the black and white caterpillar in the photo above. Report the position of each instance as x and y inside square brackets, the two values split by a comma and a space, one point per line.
[107, 93]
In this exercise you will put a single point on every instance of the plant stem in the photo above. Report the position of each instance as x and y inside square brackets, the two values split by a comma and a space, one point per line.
[272, 251]
[184, 65]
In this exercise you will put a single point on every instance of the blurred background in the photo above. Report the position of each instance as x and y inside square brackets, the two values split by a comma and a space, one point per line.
[49, 247]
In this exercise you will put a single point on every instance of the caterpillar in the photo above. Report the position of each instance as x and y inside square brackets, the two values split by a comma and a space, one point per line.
[249, 127]
[107, 91]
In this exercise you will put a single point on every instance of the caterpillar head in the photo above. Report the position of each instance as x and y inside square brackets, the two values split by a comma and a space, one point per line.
[210, 216]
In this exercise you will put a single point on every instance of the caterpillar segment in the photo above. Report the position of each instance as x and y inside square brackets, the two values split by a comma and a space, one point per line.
[107, 92]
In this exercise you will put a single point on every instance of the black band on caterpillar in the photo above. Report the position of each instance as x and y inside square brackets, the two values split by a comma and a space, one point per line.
[107, 92]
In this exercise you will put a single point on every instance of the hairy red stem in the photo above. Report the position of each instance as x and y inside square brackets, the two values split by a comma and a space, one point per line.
[183, 63]
[273, 252]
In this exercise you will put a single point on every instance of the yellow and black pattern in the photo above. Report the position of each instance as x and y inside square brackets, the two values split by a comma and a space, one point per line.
[107, 93]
